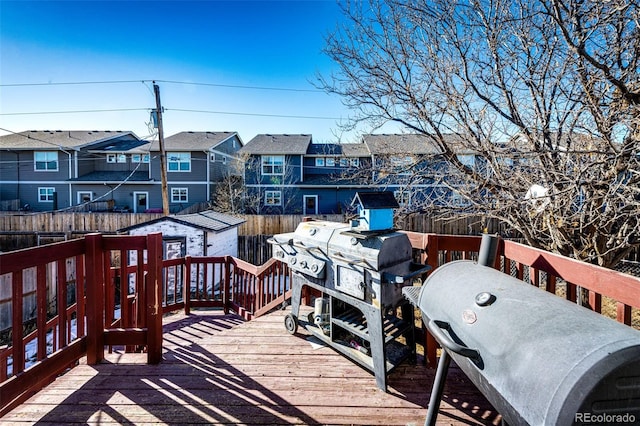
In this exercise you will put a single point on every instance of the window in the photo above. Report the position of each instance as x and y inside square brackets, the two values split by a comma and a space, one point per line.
[139, 158]
[111, 158]
[320, 162]
[467, 159]
[179, 195]
[344, 162]
[85, 197]
[179, 161]
[46, 160]
[402, 165]
[330, 162]
[273, 198]
[122, 158]
[355, 162]
[273, 164]
[403, 197]
[45, 195]
[212, 157]
[224, 160]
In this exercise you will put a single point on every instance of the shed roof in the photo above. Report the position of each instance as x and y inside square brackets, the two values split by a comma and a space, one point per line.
[208, 220]
[376, 200]
[57, 139]
[277, 144]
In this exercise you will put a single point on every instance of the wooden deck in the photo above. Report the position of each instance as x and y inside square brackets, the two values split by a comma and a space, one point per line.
[218, 369]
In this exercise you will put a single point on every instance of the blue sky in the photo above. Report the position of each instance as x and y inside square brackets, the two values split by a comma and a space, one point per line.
[267, 44]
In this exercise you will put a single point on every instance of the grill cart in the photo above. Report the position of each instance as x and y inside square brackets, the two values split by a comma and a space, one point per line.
[359, 269]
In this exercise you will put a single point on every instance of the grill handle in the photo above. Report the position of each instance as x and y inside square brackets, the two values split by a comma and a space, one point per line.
[340, 256]
[301, 245]
[399, 279]
[436, 328]
[279, 243]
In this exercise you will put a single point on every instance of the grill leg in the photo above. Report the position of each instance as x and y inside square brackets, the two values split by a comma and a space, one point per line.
[437, 389]
[376, 335]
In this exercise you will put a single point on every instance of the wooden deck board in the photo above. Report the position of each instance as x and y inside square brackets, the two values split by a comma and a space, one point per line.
[219, 370]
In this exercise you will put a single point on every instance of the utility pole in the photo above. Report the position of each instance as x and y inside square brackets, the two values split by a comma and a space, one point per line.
[163, 157]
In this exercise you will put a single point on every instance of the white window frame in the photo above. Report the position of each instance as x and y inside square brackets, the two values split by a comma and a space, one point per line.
[121, 158]
[467, 159]
[212, 157]
[402, 165]
[139, 158]
[319, 161]
[354, 162]
[46, 161]
[330, 162]
[112, 158]
[270, 196]
[81, 193]
[179, 159]
[45, 194]
[269, 164]
[179, 195]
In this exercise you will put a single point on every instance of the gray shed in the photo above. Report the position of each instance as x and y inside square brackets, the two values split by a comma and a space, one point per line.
[207, 233]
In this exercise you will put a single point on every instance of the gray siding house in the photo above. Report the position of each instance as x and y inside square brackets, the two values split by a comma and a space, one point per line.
[50, 170]
[289, 174]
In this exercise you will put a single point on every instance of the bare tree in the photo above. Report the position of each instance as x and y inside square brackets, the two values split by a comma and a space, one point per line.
[546, 93]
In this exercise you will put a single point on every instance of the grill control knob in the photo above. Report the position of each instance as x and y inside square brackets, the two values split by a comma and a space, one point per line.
[314, 268]
[303, 264]
[485, 298]
[293, 260]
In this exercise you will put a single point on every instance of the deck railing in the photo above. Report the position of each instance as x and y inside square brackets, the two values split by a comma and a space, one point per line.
[79, 297]
[610, 293]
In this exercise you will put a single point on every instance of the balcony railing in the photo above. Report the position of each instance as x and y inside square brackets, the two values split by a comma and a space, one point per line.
[73, 299]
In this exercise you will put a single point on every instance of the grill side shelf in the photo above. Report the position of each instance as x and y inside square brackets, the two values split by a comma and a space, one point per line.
[354, 322]
[395, 352]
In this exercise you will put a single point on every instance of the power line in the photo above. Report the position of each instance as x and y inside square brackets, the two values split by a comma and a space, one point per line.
[235, 86]
[192, 83]
[253, 114]
[75, 111]
[71, 83]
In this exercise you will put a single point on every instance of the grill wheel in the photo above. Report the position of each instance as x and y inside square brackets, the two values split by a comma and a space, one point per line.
[291, 323]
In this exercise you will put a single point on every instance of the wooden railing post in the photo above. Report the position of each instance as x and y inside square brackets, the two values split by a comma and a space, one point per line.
[226, 282]
[432, 251]
[154, 298]
[431, 345]
[94, 263]
[17, 331]
[186, 286]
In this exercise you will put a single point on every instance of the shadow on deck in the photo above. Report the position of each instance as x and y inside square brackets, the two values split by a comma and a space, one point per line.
[218, 369]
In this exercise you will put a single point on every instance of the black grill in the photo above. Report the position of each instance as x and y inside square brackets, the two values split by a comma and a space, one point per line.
[539, 359]
[359, 276]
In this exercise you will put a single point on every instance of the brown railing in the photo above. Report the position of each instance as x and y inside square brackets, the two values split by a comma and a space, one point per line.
[111, 291]
[610, 293]
[71, 307]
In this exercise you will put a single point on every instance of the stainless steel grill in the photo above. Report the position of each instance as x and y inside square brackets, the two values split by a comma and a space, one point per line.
[539, 359]
[359, 275]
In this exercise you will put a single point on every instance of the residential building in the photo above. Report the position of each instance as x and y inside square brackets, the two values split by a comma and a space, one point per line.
[291, 174]
[51, 170]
